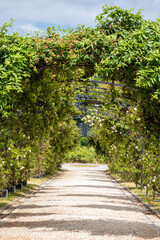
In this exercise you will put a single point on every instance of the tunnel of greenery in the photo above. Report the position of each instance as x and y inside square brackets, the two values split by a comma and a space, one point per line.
[39, 78]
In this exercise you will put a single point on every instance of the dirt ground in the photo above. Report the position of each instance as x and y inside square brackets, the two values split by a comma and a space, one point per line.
[82, 203]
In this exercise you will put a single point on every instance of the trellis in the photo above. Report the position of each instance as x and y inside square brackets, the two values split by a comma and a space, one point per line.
[83, 100]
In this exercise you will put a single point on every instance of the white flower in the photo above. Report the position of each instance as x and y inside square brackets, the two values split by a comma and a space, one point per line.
[30, 150]
[17, 157]
[138, 119]
[9, 148]
[24, 135]
[24, 156]
[154, 179]
[22, 168]
[100, 125]
[28, 137]
[135, 109]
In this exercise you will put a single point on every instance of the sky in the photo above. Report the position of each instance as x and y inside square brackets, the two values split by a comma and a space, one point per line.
[35, 15]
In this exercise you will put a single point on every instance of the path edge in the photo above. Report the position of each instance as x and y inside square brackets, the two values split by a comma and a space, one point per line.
[148, 206]
[9, 208]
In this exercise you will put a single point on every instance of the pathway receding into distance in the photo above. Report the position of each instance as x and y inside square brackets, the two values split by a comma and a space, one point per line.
[82, 203]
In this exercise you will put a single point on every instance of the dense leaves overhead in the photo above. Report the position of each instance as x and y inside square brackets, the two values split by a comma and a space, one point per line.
[39, 75]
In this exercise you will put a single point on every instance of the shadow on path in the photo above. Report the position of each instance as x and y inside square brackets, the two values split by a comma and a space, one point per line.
[109, 207]
[119, 197]
[93, 227]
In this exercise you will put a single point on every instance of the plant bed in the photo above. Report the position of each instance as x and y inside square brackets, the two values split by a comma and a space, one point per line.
[12, 189]
[24, 183]
[19, 186]
[38, 176]
[31, 184]
[4, 193]
[148, 199]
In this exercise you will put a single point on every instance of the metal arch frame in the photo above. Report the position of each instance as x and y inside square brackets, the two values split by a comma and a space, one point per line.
[84, 99]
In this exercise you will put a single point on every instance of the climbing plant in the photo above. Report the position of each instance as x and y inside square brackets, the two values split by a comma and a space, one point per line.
[38, 82]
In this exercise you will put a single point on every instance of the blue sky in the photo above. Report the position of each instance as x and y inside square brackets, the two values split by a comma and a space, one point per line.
[34, 15]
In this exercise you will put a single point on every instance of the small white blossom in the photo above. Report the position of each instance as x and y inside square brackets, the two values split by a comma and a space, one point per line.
[9, 148]
[154, 179]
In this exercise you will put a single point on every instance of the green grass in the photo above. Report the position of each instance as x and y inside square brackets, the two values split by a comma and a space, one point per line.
[142, 194]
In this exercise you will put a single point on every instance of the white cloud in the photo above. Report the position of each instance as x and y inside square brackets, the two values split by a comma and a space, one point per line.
[28, 27]
[35, 14]
[48, 11]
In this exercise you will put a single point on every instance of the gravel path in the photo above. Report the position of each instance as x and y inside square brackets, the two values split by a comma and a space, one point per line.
[82, 203]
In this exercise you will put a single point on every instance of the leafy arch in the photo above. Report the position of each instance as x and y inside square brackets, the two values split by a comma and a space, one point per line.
[39, 76]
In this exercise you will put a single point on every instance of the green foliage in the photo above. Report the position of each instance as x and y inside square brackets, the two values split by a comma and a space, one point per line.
[130, 150]
[115, 19]
[83, 154]
[84, 141]
[39, 76]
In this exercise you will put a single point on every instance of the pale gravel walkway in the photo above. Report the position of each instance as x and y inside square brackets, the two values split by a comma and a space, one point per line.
[83, 203]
